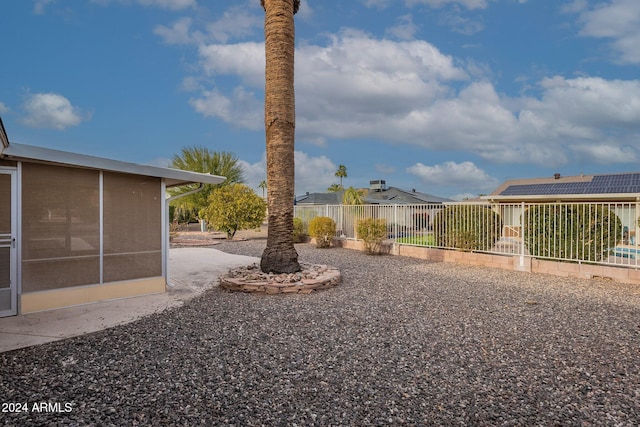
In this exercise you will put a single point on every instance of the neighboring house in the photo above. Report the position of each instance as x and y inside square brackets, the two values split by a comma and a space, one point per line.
[380, 194]
[620, 192]
[320, 199]
[77, 229]
[620, 187]
[377, 194]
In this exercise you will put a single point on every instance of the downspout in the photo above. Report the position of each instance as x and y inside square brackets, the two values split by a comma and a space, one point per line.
[168, 225]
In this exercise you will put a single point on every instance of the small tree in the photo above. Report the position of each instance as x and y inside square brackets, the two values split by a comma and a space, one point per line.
[202, 159]
[234, 207]
[323, 229]
[372, 231]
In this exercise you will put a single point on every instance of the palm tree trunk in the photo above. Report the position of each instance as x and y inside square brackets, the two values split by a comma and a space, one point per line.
[280, 255]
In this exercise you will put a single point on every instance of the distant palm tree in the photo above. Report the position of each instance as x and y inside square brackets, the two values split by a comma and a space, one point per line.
[352, 196]
[335, 188]
[204, 160]
[341, 173]
[263, 185]
[280, 254]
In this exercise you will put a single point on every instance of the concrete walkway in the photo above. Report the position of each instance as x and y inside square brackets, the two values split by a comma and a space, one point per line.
[191, 272]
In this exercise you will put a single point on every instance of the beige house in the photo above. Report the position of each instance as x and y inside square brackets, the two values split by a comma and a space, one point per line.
[76, 229]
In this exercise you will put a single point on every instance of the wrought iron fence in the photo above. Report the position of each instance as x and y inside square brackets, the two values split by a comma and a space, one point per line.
[603, 233]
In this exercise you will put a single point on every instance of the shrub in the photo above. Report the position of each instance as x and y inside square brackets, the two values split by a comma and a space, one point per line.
[574, 232]
[372, 231]
[467, 227]
[298, 230]
[234, 207]
[323, 229]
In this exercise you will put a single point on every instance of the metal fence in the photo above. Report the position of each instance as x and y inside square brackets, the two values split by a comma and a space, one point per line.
[602, 233]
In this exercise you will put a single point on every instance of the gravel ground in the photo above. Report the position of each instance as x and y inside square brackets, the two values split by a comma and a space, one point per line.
[400, 342]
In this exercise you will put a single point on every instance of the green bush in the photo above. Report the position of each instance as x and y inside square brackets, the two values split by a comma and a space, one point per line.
[298, 230]
[372, 231]
[467, 227]
[234, 207]
[323, 229]
[574, 232]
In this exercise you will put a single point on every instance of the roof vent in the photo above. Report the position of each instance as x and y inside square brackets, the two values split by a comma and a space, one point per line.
[378, 185]
[556, 176]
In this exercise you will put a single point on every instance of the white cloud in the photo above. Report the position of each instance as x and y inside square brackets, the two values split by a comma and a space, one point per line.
[405, 29]
[606, 154]
[178, 33]
[163, 4]
[3, 108]
[245, 60]
[169, 4]
[408, 92]
[40, 5]
[312, 174]
[469, 4]
[378, 4]
[385, 169]
[234, 23]
[242, 108]
[50, 110]
[461, 24]
[618, 21]
[466, 176]
[254, 173]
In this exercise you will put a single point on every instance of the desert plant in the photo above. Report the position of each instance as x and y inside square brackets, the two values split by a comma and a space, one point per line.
[323, 229]
[372, 231]
[234, 207]
[298, 230]
[467, 227]
[579, 231]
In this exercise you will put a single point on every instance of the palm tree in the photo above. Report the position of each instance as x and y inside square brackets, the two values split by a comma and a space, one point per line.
[352, 196]
[201, 159]
[341, 173]
[335, 188]
[280, 255]
[263, 186]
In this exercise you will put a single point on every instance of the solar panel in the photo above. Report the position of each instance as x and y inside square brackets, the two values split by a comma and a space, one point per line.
[600, 184]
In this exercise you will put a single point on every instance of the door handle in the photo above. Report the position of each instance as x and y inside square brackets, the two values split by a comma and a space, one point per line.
[13, 243]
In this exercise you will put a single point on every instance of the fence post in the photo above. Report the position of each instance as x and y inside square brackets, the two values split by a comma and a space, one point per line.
[522, 225]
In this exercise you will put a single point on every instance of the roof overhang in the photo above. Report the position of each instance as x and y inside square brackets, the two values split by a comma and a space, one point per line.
[4, 139]
[173, 177]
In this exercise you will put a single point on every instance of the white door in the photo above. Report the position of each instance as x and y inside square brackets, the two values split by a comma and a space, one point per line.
[8, 206]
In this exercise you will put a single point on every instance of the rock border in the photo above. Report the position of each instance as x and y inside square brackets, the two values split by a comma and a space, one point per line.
[251, 280]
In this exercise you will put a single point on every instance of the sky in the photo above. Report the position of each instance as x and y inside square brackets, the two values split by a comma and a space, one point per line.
[448, 97]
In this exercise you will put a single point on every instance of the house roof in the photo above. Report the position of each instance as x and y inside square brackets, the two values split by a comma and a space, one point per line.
[4, 139]
[173, 177]
[394, 195]
[320, 198]
[391, 195]
[606, 186]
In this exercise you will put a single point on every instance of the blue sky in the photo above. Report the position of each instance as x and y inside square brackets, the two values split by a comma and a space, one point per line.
[450, 97]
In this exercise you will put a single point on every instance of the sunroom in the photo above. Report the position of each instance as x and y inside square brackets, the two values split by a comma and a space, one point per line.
[77, 229]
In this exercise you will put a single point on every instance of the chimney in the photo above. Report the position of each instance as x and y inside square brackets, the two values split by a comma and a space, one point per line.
[556, 176]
